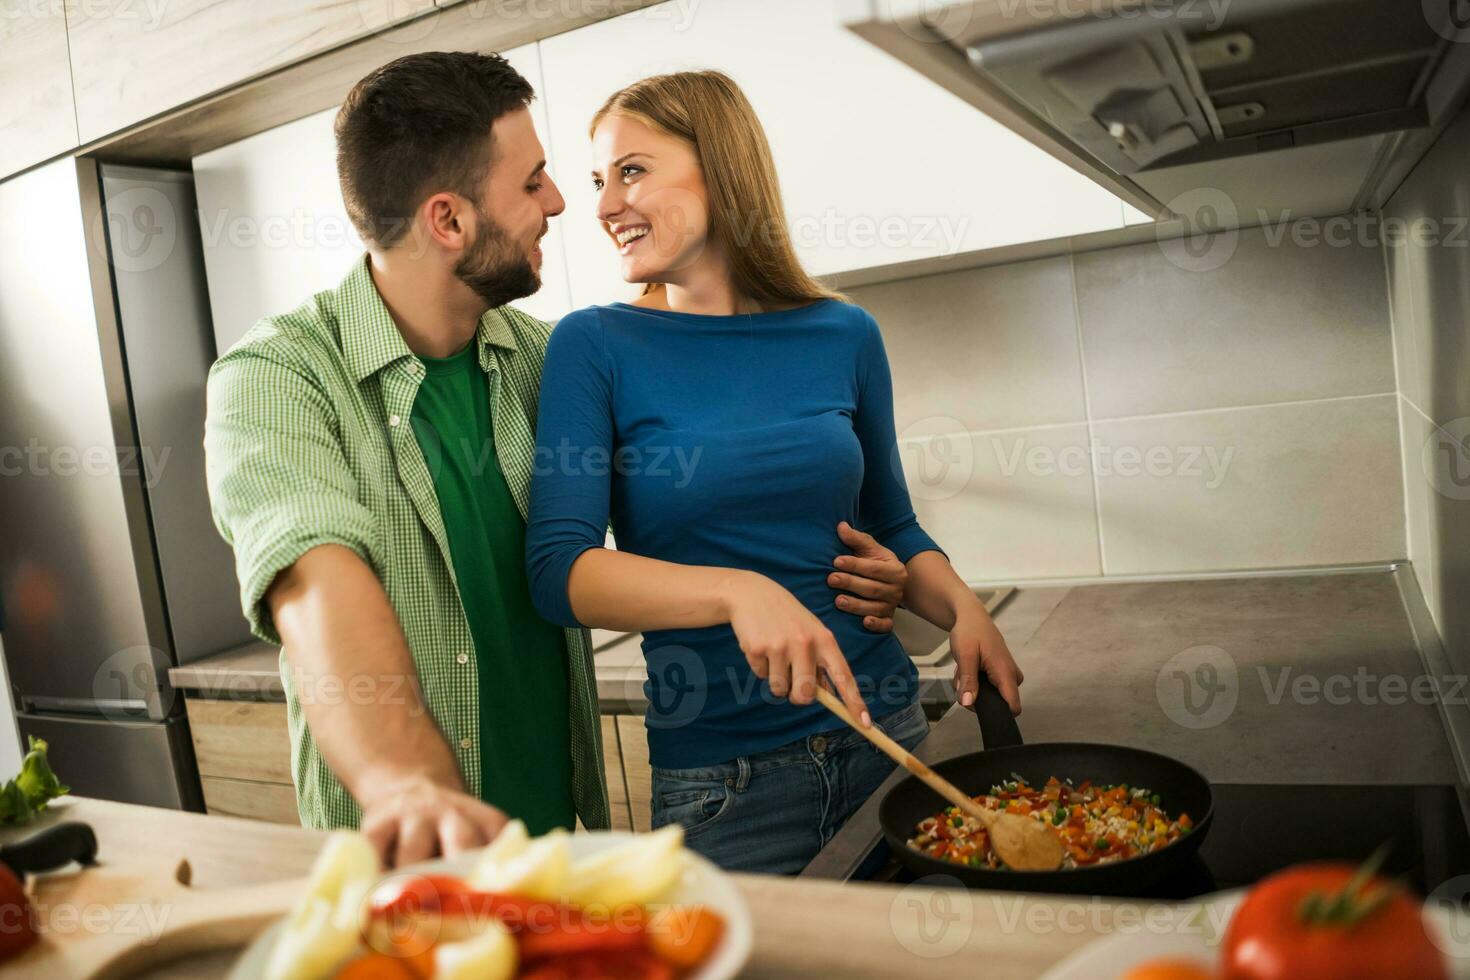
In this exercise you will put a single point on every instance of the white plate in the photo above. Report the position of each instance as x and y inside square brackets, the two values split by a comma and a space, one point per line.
[1195, 932]
[701, 884]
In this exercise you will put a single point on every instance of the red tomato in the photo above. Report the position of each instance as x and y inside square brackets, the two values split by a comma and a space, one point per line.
[1273, 936]
[17, 923]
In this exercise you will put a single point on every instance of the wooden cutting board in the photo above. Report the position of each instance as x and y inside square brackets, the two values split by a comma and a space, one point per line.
[111, 921]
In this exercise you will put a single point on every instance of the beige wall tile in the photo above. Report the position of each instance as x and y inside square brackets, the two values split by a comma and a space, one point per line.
[1015, 504]
[1419, 494]
[1434, 202]
[1314, 483]
[991, 348]
[1272, 323]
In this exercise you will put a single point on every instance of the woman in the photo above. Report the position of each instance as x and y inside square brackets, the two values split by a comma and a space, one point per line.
[734, 421]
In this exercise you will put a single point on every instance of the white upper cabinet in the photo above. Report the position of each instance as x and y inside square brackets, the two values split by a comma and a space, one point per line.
[877, 164]
[276, 231]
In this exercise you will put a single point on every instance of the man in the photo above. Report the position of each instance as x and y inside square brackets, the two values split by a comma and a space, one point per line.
[369, 459]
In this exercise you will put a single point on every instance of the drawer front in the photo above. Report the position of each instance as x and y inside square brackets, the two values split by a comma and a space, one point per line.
[273, 802]
[617, 788]
[241, 739]
[634, 739]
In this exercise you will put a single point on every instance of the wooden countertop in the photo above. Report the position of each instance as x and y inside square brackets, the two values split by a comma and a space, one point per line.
[802, 927]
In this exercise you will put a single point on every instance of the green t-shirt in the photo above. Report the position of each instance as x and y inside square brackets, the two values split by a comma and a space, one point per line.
[525, 751]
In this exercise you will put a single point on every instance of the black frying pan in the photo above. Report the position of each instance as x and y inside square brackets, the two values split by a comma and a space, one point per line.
[1181, 789]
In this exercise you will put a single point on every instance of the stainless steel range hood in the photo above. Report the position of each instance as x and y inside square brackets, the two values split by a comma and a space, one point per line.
[1311, 106]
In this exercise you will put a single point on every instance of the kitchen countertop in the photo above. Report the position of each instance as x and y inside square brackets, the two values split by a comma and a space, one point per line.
[1297, 678]
[1114, 662]
[884, 930]
[250, 671]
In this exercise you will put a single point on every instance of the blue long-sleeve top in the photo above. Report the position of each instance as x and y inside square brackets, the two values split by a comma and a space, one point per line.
[732, 441]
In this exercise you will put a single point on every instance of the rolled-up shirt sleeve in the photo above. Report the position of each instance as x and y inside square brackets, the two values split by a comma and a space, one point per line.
[279, 481]
[884, 508]
[571, 481]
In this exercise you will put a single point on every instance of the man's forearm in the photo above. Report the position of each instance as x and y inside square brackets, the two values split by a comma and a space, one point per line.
[355, 675]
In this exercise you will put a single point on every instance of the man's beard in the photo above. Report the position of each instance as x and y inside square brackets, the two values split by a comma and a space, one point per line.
[495, 268]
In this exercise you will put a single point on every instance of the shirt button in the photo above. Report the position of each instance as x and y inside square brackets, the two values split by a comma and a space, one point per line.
[393, 421]
[465, 743]
[463, 658]
[819, 745]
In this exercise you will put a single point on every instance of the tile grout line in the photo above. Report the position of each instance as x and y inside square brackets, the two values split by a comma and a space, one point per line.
[1102, 559]
[1162, 415]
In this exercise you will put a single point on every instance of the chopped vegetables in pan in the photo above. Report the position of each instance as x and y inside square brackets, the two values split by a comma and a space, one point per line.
[1098, 824]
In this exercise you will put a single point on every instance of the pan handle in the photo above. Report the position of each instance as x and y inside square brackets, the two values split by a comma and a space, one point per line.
[998, 728]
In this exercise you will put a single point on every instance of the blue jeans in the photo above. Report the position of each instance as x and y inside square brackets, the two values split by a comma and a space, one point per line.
[773, 811]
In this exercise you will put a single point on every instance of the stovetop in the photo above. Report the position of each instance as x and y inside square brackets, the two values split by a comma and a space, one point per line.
[1260, 828]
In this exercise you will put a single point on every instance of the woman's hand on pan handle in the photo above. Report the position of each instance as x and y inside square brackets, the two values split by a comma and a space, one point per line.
[977, 645]
[786, 645]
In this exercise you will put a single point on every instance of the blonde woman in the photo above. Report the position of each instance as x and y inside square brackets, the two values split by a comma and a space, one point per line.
[734, 423]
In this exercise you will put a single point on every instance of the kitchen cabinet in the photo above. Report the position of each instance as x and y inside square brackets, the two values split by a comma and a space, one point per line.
[254, 195]
[878, 165]
[243, 750]
[138, 60]
[636, 770]
[36, 117]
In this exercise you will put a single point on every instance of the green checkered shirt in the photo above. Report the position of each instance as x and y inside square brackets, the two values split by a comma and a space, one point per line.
[308, 442]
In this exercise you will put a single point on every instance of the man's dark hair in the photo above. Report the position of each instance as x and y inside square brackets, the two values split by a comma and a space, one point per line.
[417, 126]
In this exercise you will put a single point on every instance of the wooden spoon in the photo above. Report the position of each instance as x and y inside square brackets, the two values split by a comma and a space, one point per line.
[1023, 843]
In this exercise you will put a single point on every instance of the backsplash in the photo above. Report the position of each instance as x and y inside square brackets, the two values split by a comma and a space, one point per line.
[1159, 408]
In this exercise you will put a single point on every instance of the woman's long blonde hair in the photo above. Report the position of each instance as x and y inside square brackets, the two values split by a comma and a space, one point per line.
[708, 111]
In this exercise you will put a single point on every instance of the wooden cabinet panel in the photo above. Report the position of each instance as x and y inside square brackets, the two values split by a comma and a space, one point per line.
[617, 789]
[274, 802]
[878, 165]
[138, 60]
[634, 739]
[241, 739]
[36, 116]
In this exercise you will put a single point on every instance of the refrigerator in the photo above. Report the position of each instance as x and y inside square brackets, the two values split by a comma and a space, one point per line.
[111, 570]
